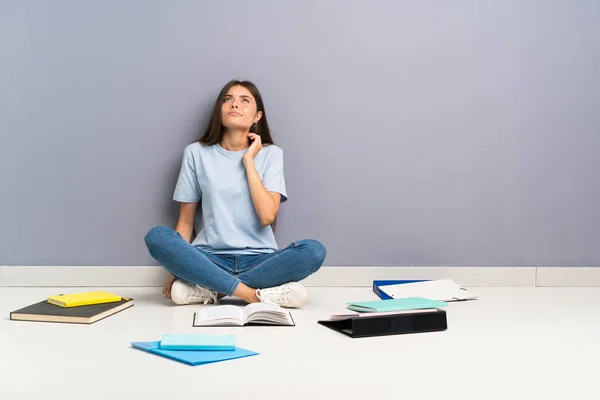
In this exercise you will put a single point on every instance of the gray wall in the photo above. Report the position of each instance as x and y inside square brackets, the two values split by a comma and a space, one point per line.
[414, 132]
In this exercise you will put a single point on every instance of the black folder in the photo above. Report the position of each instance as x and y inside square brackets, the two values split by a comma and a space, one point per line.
[380, 325]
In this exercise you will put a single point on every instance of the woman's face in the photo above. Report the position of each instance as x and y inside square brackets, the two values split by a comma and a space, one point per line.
[238, 110]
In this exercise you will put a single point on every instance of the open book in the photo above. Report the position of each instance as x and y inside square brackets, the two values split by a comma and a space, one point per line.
[252, 314]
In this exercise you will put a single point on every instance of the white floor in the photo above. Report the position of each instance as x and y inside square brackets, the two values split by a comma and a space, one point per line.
[539, 343]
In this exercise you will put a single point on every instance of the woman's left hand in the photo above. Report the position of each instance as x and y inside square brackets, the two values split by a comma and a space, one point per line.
[254, 148]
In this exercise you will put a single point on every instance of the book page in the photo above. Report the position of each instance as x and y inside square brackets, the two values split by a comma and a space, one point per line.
[220, 313]
[267, 313]
[256, 307]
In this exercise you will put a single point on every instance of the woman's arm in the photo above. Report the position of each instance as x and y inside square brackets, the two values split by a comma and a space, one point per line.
[185, 223]
[266, 203]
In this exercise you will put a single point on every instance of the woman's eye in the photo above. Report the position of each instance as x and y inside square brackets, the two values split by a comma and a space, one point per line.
[226, 100]
[246, 101]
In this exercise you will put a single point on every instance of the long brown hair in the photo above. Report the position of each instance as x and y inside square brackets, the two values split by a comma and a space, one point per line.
[214, 130]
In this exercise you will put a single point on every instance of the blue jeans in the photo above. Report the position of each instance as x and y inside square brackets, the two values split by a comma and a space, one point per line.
[224, 272]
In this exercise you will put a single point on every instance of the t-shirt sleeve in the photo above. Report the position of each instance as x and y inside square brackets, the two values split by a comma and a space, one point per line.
[187, 189]
[273, 178]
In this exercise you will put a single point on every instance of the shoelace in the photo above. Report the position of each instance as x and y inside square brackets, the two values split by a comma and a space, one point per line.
[276, 296]
[199, 292]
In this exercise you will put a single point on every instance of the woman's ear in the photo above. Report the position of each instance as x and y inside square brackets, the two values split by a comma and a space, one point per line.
[258, 117]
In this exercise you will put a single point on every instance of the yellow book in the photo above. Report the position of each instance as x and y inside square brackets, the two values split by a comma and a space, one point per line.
[83, 299]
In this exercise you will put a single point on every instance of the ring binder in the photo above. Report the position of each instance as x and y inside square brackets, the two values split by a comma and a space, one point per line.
[357, 327]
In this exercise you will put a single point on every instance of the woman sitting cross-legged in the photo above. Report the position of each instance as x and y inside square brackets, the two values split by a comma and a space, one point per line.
[234, 173]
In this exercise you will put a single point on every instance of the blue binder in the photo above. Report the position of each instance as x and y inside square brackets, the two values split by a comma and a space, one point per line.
[378, 284]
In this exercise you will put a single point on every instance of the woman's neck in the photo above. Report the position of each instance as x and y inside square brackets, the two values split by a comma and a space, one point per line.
[235, 140]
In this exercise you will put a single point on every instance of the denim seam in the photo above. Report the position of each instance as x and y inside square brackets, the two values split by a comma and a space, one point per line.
[233, 286]
[224, 267]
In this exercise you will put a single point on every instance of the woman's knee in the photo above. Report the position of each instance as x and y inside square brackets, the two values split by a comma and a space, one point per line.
[315, 251]
[156, 235]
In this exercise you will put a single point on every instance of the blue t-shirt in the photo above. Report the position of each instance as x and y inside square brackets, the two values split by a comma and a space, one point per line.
[216, 177]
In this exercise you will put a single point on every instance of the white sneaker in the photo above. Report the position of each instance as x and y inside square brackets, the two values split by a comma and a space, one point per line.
[291, 294]
[183, 292]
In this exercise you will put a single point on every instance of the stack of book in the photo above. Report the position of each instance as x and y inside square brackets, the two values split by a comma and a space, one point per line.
[76, 308]
[390, 317]
[406, 306]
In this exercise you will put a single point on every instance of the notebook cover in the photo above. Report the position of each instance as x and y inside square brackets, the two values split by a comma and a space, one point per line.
[46, 312]
[408, 303]
[377, 284]
[83, 299]
[193, 357]
[389, 325]
[198, 342]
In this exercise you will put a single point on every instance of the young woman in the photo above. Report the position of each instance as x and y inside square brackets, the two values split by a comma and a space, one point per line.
[235, 173]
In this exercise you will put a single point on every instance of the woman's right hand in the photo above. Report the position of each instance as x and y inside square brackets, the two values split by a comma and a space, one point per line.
[167, 288]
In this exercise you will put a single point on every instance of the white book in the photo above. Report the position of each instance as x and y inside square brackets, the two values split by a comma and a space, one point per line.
[252, 314]
[441, 289]
[335, 317]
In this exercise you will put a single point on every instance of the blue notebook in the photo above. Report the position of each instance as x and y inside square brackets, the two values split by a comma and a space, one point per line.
[408, 303]
[198, 342]
[193, 357]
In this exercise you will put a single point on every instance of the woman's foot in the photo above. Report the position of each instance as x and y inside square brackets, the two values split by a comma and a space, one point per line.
[167, 288]
[290, 295]
[183, 292]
